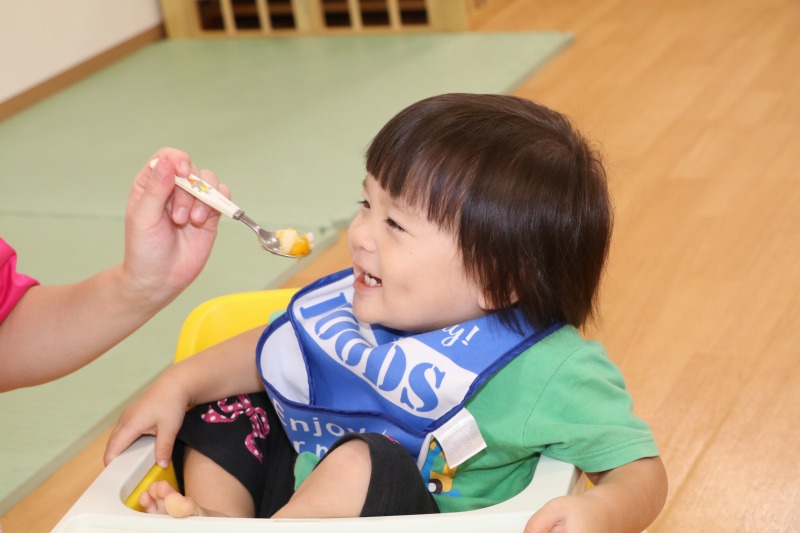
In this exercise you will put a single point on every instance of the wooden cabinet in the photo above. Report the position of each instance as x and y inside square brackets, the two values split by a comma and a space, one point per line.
[219, 18]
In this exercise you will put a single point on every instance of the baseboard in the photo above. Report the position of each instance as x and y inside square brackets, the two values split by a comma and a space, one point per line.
[61, 81]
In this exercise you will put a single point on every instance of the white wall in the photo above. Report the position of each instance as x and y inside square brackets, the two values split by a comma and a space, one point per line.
[42, 38]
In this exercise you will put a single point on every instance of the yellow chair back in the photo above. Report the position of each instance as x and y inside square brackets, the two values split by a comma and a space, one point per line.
[224, 317]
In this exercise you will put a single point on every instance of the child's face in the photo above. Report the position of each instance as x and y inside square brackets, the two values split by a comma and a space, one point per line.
[409, 274]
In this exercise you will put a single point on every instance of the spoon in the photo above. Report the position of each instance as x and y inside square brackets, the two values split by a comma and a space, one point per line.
[213, 198]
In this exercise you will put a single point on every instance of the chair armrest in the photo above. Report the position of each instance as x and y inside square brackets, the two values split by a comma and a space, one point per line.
[105, 496]
[101, 509]
[551, 479]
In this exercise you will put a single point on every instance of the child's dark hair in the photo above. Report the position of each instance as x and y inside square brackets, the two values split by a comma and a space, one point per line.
[520, 188]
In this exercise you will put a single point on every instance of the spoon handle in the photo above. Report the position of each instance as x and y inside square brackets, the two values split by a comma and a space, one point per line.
[207, 194]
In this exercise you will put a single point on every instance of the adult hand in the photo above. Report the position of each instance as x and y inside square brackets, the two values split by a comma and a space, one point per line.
[168, 232]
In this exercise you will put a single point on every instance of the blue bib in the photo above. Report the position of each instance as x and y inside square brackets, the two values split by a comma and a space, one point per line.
[329, 374]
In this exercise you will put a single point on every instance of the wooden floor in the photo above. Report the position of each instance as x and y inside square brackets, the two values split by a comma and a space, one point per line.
[696, 105]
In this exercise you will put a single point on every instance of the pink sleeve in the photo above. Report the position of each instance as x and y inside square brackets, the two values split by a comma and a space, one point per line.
[12, 284]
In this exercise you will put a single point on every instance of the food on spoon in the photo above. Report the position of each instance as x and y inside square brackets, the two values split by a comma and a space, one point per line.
[291, 243]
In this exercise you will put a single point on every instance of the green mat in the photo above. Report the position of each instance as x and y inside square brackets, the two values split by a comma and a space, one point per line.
[284, 122]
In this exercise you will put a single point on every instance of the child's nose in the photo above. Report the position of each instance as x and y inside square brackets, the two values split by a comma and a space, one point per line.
[358, 235]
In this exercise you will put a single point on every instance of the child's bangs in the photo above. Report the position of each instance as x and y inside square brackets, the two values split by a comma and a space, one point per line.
[421, 178]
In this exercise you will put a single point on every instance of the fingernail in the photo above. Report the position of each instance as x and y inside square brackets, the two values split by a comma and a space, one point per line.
[199, 214]
[184, 168]
[181, 215]
[163, 464]
[161, 172]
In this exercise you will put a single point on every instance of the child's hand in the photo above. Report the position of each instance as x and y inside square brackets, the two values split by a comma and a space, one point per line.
[568, 514]
[224, 369]
[159, 411]
[625, 499]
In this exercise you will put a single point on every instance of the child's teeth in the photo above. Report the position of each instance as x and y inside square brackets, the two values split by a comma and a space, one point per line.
[369, 280]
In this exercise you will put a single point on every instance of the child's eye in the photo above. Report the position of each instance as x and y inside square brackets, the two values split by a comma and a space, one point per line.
[394, 225]
[364, 204]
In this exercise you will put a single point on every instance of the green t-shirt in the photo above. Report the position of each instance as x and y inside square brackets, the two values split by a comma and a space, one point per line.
[562, 397]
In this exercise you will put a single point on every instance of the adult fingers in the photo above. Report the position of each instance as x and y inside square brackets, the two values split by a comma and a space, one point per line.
[156, 192]
[199, 212]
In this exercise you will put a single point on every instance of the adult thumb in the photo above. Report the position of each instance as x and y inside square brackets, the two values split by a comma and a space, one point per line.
[158, 188]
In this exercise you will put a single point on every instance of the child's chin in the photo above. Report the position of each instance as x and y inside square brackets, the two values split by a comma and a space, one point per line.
[366, 315]
[360, 311]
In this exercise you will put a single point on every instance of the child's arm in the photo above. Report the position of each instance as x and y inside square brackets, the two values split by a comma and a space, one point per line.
[223, 370]
[625, 499]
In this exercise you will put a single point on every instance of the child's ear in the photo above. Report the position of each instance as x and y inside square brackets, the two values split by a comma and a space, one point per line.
[487, 305]
[482, 301]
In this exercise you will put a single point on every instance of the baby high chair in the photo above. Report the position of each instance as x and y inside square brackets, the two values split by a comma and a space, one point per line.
[110, 504]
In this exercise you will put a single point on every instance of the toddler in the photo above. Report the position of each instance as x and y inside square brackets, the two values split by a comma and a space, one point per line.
[432, 375]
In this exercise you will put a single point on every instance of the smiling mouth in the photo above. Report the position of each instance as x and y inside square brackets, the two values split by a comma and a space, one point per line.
[372, 281]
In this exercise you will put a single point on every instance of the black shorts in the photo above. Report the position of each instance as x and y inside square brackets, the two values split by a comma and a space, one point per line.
[244, 436]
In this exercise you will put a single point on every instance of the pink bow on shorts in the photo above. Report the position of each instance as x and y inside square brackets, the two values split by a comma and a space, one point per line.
[242, 406]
